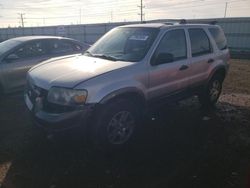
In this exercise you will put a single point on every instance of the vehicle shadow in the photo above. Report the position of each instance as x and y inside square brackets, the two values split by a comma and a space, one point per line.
[179, 145]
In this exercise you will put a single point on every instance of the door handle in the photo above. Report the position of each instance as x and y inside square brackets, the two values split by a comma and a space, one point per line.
[183, 67]
[210, 61]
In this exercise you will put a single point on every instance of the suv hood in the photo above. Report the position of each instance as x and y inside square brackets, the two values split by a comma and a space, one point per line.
[70, 71]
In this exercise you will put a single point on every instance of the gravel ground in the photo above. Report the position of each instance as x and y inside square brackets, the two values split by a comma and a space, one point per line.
[181, 145]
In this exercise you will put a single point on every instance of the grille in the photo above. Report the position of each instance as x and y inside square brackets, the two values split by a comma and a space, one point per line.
[56, 108]
[34, 91]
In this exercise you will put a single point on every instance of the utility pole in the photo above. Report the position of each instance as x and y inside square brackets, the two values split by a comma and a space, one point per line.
[21, 18]
[225, 13]
[80, 15]
[141, 11]
[111, 16]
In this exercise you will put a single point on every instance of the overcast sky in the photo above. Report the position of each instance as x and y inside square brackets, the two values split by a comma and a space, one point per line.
[63, 12]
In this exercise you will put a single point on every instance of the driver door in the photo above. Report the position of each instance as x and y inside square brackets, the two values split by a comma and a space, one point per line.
[168, 72]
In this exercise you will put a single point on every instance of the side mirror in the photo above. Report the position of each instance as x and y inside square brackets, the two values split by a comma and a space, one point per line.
[162, 58]
[11, 57]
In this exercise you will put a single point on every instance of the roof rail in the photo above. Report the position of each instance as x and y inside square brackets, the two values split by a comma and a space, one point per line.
[183, 21]
[169, 23]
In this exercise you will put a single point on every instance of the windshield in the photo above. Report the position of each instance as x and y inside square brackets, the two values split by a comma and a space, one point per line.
[7, 45]
[124, 44]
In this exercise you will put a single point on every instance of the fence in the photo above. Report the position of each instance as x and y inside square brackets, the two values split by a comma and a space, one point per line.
[88, 33]
[237, 31]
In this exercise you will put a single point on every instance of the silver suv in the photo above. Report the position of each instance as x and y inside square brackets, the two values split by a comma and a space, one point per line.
[107, 89]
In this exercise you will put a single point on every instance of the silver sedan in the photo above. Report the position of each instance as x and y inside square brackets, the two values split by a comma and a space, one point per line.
[18, 55]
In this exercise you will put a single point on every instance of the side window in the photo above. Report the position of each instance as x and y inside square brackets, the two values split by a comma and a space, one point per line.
[219, 38]
[200, 44]
[61, 47]
[172, 47]
[31, 49]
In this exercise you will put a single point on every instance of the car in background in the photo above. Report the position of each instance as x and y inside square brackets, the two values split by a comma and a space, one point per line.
[18, 55]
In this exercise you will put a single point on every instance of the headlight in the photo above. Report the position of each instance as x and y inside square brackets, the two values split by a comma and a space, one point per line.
[64, 96]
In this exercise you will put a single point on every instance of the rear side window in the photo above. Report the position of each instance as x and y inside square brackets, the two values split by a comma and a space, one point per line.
[219, 38]
[61, 47]
[200, 44]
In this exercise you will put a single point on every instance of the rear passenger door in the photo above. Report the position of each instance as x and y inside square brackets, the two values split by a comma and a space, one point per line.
[169, 66]
[201, 56]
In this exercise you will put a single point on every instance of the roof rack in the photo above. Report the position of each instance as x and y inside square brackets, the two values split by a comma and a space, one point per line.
[183, 21]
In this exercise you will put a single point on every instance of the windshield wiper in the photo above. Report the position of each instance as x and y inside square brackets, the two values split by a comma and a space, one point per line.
[108, 57]
[103, 56]
[87, 53]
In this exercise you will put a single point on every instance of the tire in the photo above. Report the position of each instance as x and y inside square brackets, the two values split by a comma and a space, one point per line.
[1, 92]
[115, 125]
[210, 95]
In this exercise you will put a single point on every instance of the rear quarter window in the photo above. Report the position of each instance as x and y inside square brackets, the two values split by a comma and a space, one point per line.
[219, 38]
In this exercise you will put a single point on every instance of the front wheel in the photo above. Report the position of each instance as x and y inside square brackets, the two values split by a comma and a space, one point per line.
[1, 92]
[115, 125]
[212, 91]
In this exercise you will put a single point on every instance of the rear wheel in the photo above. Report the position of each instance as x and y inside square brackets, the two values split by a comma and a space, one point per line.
[212, 92]
[115, 125]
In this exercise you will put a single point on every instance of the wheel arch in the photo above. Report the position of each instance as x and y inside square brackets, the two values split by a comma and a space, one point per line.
[131, 93]
[218, 70]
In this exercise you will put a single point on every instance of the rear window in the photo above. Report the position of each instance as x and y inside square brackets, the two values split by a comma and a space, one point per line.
[219, 38]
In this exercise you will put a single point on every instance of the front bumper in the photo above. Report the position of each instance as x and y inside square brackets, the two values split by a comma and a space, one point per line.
[57, 122]
[62, 121]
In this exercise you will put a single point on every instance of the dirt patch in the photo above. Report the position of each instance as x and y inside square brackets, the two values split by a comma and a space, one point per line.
[236, 99]
[238, 79]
